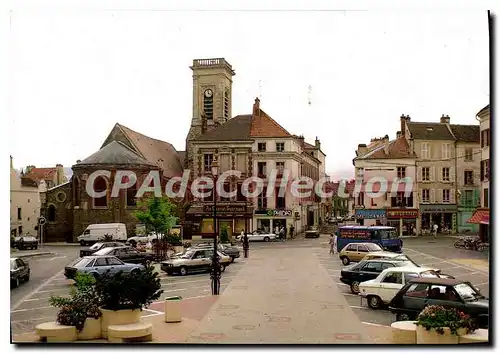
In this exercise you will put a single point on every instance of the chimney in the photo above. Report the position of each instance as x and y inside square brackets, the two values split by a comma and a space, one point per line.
[386, 144]
[59, 174]
[256, 107]
[317, 143]
[362, 149]
[11, 162]
[398, 134]
[78, 161]
[404, 119]
[29, 168]
[445, 119]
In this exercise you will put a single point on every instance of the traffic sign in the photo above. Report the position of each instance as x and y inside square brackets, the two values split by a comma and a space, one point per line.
[41, 220]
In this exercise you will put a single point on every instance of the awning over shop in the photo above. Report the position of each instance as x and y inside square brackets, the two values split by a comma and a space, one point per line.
[481, 216]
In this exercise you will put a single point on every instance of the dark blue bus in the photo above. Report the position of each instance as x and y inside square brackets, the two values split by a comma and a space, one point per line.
[385, 236]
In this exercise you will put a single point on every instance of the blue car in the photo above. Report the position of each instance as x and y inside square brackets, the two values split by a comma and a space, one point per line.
[99, 265]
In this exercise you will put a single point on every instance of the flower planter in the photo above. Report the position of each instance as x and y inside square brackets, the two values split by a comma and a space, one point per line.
[91, 329]
[120, 317]
[432, 337]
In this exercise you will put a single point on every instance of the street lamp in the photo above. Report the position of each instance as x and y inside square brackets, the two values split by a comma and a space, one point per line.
[215, 271]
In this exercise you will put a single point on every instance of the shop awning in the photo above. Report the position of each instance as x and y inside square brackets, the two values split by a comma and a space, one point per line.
[481, 216]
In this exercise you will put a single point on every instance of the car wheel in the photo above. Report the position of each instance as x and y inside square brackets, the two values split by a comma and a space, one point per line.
[355, 287]
[82, 243]
[183, 271]
[345, 260]
[232, 259]
[267, 239]
[402, 317]
[135, 271]
[222, 267]
[27, 277]
[16, 283]
[374, 302]
[95, 275]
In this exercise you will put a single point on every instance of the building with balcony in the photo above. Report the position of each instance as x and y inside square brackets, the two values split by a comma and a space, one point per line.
[392, 161]
[481, 216]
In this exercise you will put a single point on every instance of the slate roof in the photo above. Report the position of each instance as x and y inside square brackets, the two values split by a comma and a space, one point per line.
[466, 133]
[115, 153]
[398, 148]
[483, 111]
[429, 131]
[237, 128]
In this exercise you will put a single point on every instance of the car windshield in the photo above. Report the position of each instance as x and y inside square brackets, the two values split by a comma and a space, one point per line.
[188, 254]
[102, 252]
[80, 263]
[387, 234]
[13, 264]
[372, 247]
[96, 246]
[466, 292]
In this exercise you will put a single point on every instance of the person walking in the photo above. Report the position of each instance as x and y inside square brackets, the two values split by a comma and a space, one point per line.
[435, 227]
[292, 229]
[282, 234]
[333, 243]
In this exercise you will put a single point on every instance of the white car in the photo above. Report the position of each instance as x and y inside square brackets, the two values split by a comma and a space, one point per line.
[382, 289]
[144, 239]
[258, 236]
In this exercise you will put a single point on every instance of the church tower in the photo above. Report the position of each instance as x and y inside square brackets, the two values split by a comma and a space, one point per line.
[212, 92]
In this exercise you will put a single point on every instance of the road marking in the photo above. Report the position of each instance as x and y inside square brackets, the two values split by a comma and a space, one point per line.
[461, 274]
[154, 314]
[154, 311]
[426, 264]
[50, 291]
[375, 324]
[170, 291]
[17, 304]
[205, 286]
[341, 284]
[51, 259]
[358, 307]
[482, 283]
[31, 309]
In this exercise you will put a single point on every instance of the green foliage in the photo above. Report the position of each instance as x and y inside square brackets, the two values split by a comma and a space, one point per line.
[224, 236]
[82, 303]
[157, 214]
[174, 240]
[438, 317]
[133, 290]
[108, 238]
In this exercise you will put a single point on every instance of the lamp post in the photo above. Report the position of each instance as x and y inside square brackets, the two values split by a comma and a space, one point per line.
[215, 271]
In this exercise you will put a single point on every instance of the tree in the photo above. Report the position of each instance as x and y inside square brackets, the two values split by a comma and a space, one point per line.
[157, 214]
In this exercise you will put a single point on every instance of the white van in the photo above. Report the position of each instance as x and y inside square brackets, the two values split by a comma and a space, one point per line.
[96, 232]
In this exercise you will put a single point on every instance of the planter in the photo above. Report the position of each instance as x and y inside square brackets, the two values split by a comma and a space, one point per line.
[91, 329]
[432, 337]
[120, 317]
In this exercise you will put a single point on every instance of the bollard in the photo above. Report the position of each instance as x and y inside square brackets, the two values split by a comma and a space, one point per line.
[173, 309]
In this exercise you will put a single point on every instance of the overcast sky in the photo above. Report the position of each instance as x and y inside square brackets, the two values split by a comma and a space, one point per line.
[342, 76]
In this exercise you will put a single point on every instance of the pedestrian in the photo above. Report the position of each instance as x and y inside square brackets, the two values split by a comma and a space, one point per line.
[333, 243]
[242, 235]
[292, 229]
[436, 227]
[282, 234]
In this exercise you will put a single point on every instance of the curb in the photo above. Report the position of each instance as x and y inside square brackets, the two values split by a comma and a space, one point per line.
[30, 255]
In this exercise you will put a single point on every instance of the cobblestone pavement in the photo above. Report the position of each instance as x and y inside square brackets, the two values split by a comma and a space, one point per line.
[35, 308]
[465, 268]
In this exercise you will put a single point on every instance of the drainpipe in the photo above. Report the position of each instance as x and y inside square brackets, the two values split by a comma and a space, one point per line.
[456, 189]
[416, 199]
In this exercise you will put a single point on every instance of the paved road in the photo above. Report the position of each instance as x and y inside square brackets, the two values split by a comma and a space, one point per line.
[441, 255]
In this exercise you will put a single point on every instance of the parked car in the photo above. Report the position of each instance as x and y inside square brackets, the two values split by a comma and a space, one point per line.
[381, 290]
[19, 271]
[98, 232]
[26, 243]
[258, 236]
[312, 232]
[99, 246]
[385, 255]
[134, 240]
[231, 251]
[97, 265]
[126, 254]
[421, 292]
[366, 270]
[356, 251]
[194, 260]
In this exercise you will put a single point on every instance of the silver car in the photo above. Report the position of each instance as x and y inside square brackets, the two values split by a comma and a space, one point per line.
[99, 265]
[194, 260]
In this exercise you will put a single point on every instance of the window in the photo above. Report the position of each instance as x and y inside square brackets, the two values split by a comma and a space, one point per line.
[425, 151]
[76, 189]
[280, 201]
[485, 138]
[226, 104]
[468, 198]
[375, 267]
[400, 201]
[468, 178]
[486, 198]
[240, 197]
[446, 151]
[225, 188]
[261, 169]
[262, 199]
[114, 261]
[261, 147]
[468, 154]
[446, 195]
[410, 276]
[401, 172]
[393, 278]
[100, 262]
[352, 247]
[417, 290]
[485, 170]
[208, 104]
[52, 213]
[425, 173]
[100, 185]
[28, 200]
[20, 229]
[280, 167]
[425, 195]
[280, 147]
[131, 193]
[19, 214]
[362, 248]
[446, 174]
[207, 163]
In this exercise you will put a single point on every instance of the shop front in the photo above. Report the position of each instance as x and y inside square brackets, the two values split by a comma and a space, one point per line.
[370, 217]
[270, 220]
[443, 215]
[404, 220]
[482, 217]
[234, 217]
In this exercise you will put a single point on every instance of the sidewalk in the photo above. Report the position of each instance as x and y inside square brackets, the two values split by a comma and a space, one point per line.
[29, 254]
[280, 297]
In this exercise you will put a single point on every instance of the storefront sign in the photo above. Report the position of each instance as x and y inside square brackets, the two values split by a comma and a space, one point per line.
[274, 212]
[370, 214]
[225, 209]
[402, 213]
[438, 208]
[357, 234]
